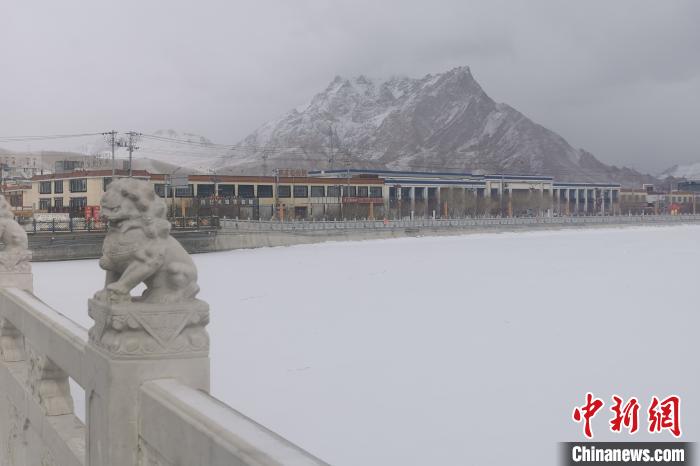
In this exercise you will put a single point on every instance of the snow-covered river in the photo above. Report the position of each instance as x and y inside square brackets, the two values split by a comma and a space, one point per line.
[467, 350]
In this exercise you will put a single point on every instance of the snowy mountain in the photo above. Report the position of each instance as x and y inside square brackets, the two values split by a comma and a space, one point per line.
[439, 122]
[690, 171]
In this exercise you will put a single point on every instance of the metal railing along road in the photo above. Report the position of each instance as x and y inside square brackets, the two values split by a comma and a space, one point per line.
[78, 224]
[311, 225]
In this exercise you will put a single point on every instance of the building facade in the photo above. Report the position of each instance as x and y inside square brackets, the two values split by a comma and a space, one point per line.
[335, 194]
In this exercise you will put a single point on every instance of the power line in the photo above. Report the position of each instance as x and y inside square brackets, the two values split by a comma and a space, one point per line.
[45, 137]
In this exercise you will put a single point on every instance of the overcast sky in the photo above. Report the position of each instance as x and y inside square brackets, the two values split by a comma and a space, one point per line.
[618, 78]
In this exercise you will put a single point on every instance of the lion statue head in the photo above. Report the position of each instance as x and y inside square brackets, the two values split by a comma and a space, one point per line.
[129, 202]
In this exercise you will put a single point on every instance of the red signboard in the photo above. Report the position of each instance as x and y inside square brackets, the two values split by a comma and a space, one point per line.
[92, 211]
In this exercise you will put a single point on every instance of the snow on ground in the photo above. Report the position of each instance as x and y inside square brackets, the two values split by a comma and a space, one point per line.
[453, 350]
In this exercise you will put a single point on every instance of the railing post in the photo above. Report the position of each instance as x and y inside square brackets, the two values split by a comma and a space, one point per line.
[15, 272]
[162, 335]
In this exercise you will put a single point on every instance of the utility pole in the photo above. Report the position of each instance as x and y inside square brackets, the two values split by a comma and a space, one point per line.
[111, 138]
[330, 146]
[276, 213]
[131, 146]
[347, 175]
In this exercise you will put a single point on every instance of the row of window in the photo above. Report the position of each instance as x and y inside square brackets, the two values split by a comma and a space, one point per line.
[74, 203]
[78, 185]
[266, 191]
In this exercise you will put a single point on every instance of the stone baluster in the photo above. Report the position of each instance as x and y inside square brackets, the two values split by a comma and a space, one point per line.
[48, 384]
[11, 342]
[160, 334]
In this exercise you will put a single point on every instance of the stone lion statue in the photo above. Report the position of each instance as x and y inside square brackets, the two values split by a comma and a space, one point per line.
[138, 247]
[15, 256]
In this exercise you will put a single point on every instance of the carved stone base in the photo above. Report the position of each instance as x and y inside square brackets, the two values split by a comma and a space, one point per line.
[21, 280]
[142, 330]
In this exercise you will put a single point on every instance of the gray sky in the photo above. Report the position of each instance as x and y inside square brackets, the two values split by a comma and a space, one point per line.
[618, 78]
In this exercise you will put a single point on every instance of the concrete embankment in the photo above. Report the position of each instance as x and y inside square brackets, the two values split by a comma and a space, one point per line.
[88, 245]
[242, 235]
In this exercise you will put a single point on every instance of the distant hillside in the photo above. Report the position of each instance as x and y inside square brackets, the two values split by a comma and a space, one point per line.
[439, 122]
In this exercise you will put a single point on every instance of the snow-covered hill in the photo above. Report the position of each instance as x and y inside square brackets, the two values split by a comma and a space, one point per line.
[439, 122]
[166, 150]
[689, 171]
[162, 151]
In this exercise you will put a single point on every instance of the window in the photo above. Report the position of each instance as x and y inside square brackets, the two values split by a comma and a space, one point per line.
[333, 191]
[185, 191]
[362, 191]
[227, 190]
[318, 191]
[349, 191]
[301, 191]
[246, 190]
[78, 185]
[264, 190]
[284, 191]
[375, 191]
[160, 189]
[77, 203]
[44, 204]
[58, 203]
[205, 190]
[45, 187]
[105, 183]
[58, 186]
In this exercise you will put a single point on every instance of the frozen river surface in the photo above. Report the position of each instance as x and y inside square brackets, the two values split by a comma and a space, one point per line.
[468, 350]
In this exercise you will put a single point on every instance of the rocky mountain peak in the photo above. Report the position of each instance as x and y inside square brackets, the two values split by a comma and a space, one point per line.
[440, 122]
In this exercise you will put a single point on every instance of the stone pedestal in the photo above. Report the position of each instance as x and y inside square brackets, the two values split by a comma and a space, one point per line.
[132, 343]
[142, 330]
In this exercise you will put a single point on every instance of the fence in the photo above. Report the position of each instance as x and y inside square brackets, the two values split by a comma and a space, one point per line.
[143, 409]
[82, 224]
[267, 225]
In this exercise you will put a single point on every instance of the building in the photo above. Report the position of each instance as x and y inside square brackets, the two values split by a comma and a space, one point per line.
[647, 201]
[265, 197]
[335, 194]
[689, 186]
[71, 192]
[465, 194]
[261, 197]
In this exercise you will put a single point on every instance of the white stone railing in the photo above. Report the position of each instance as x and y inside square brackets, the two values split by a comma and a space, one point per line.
[477, 222]
[177, 424]
[144, 365]
[37, 423]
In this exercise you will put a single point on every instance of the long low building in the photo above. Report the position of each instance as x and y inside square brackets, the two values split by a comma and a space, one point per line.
[464, 194]
[330, 194]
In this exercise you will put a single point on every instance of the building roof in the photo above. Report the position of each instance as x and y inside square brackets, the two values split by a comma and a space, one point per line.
[281, 180]
[90, 174]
